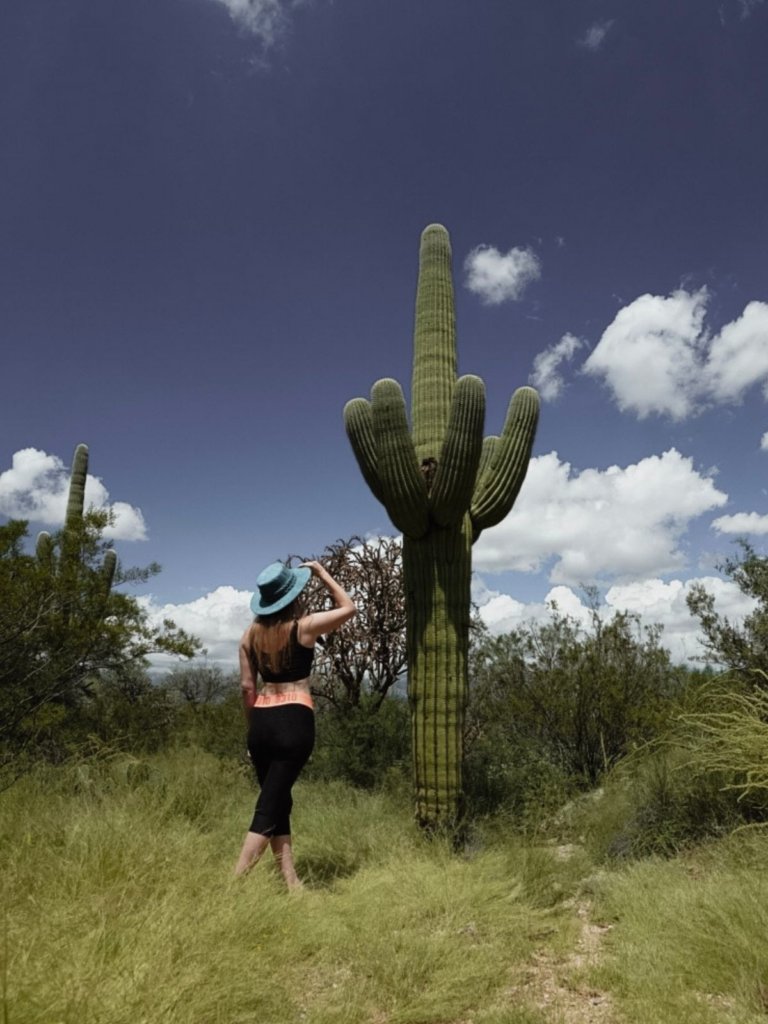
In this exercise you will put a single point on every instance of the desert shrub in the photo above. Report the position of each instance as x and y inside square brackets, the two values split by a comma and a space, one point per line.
[705, 778]
[742, 648]
[516, 782]
[555, 706]
[363, 744]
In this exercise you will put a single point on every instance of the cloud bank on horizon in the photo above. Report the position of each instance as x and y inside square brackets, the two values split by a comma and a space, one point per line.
[220, 617]
[653, 601]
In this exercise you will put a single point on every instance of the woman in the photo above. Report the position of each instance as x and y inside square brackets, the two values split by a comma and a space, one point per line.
[279, 646]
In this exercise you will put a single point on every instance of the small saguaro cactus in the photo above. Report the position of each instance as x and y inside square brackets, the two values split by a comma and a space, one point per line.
[66, 566]
[442, 484]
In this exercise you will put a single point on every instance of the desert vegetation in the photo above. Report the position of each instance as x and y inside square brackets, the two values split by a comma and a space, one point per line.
[609, 866]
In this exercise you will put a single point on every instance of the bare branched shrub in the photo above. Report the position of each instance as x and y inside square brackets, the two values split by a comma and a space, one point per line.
[366, 656]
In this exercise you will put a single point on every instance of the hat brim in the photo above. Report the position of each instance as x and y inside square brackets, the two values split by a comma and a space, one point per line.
[301, 578]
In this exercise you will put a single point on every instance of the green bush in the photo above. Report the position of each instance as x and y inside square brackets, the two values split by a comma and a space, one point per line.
[581, 699]
[514, 781]
[362, 745]
[705, 778]
[657, 805]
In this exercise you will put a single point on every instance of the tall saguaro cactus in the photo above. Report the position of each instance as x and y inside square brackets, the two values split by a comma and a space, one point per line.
[442, 484]
[71, 536]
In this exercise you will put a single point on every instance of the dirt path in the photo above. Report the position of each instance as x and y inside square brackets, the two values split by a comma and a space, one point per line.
[557, 984]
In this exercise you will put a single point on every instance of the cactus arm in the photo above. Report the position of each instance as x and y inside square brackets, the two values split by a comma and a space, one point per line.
[460, 455]
[71, 536]
[434, 344]
[44, 549]
[76, 501]
[108, 570]
[403, 486]
[490, 444]
[486, 458]
[501, 481]
[358, 421]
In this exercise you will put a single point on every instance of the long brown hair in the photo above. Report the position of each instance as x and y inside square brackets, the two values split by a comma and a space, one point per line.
[270, 634]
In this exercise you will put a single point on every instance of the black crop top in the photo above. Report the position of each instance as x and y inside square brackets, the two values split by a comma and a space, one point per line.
[294, 660]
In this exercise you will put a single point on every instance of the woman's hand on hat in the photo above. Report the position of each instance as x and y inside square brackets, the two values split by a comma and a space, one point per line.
[317, 569]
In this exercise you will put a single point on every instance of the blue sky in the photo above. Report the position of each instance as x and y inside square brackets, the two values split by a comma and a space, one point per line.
[209, 223]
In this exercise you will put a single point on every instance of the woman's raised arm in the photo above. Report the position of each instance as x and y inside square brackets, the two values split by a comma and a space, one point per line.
[317, 623]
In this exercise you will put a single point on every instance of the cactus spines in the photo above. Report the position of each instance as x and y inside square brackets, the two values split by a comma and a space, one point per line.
[442, 484]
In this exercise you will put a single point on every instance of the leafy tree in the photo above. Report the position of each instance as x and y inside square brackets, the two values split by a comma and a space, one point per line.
[62, 624]
[367, 656]
[124, 710]
[200, 685]
[742, 649]
[581, 698]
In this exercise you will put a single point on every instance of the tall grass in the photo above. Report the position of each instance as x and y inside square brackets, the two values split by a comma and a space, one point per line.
[690, 943]
[704, 778]
[120, 906]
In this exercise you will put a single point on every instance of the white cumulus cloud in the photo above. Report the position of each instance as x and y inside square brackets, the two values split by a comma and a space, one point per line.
[595, 35]
[622, 522]
[545, 375]
[656, 601]
[218, 619]
[738, 355]
[658, 357]
[500, 277]
[651, 599]
[650, 355]
[764, 442]
[36, 488]
[742, 522]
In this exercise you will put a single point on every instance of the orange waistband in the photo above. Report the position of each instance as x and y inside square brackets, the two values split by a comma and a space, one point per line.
[273, 700]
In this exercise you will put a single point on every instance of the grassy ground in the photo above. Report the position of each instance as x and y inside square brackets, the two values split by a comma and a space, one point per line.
[119, 906]
[690, 939]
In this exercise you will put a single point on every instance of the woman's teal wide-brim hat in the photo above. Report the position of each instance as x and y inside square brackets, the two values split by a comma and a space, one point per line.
[277, 586]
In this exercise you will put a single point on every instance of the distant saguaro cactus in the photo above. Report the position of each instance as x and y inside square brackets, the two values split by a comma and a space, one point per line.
[441, 484]
[67, 565]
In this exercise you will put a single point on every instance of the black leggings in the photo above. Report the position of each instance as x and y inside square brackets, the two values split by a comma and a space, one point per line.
[280, 740]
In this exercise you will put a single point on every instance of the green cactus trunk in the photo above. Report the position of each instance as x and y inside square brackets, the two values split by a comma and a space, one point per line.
[437, 573]
[441, 485]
